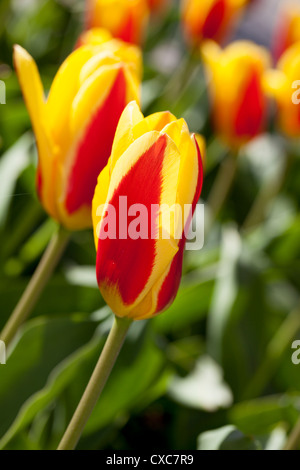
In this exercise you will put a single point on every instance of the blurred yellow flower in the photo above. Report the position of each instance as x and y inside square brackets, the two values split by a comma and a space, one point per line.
[125, 19]
[208, 19]
[283, 84]
[236, 77]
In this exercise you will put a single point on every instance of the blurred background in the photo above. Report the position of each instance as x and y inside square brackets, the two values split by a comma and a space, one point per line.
[215, 370]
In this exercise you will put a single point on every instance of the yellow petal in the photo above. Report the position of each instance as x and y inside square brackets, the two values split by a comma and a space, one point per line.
[33, 93]
[62, 92]
[124, 133]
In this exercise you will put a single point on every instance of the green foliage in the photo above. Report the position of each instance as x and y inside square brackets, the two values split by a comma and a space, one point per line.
[212, 372]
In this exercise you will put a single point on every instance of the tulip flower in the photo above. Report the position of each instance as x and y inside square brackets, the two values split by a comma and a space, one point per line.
[283, 85]
[75, 125]
[157, 5]
[236, 85]
[124, 19]
[209, 19]
[155, 161]
[287, 31]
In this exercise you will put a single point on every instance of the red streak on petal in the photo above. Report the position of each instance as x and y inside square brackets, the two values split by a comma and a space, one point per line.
[95, 147]
[128, 263]
[214, 22]
[39, 181]
[171, 283]
[128, 33]
[251, 111]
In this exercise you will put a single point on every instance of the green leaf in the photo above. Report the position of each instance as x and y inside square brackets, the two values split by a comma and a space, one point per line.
[44, 344]
[225, 291]
[262, 415]
[203, 388]
[190, 306]
[12, 163]
[226, 438]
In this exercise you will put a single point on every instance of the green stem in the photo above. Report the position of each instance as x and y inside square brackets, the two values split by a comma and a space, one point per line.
[266, 195]
[96, 384]
[36, 285]
[293, 442]
[221, 187]
[276, 348]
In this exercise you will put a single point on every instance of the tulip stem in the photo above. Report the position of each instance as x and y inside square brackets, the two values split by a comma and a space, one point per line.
[96, 384]
[293, 441]
[36, 285]
[222, 186]
[274, 352]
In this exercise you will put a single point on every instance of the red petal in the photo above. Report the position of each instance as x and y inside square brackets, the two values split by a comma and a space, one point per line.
[95, 148]
[170, 285]
[128, 263]
[214, 21]
[251, 111]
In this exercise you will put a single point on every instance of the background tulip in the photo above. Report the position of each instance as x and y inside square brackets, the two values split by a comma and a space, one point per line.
[235, 77]
[283, 85]
[287, 31]
[154, 160]
[75, 126]
[125, 19]
[208, 19]
[157, 5]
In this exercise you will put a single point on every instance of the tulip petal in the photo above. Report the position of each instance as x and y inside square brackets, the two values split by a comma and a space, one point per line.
[99, 200]
[250, 113]
[165, 289]
[214, 22]
[156, 156]
[97, 109]
[33, 93]
[62, 93]
[124, 136]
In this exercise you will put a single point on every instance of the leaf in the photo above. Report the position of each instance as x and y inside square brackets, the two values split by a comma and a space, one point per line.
[225, 291]
[226, 438]
[44, 344]
[203, 388]
[71, 376]
[189, 307]
[139, 368]
[12, 163]
[260, 416]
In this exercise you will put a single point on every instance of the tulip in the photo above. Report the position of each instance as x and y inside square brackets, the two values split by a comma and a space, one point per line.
[154, 161]
[236, 85]
[287, 31]
[75, 125]
[209, 19]
[157, 5]
[125, 19]
[283, 85]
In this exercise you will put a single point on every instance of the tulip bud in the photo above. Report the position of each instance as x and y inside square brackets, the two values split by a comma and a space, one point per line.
[157, 5]
[287, 31]
[75, 126]
[283, 84]
[235, 76]
[208, 19]
[155, 165]
[124, 19]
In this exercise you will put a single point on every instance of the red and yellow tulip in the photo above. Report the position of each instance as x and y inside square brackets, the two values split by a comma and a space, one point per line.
[283, 84]
[236, 85]
[75, 126]
[208, 19]
[154, 161]
[287, 31]
[157, 5]
[124, 19]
